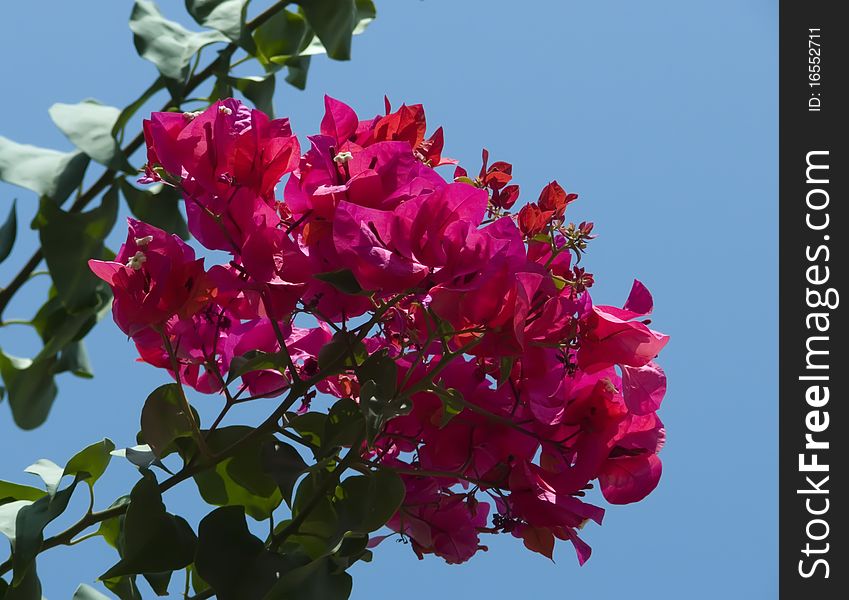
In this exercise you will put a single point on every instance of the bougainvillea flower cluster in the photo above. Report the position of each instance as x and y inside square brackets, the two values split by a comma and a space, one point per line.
[513, 393]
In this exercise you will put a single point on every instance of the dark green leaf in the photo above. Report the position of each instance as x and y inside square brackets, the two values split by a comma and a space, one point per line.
[29, 529]
[297, 67]
[159, 582]
[153, 540]
[366, 502]
[8, 233]
[59, 326]
[167, 44]
[343, 350]
[124, 587]
[27, 588]
[319, 532]
[86, 592]
[253, 360]
[311, 426]
[505, 368]
[319, 580]
[30, 388]
[345, 425]
[69, 240]
[227, 16]
[88, 125]
[47, 172]
[74, 359]
[163, 418]
[343, 280]
[239, 480]
[284, 464]
[333, 22]
[452, 405]
[158, 205]
[259, 90]
[381, 369]
[231, 560]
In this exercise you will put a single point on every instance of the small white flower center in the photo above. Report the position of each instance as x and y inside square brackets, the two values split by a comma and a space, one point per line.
[225, 110]
[144, 241]
[136, 261]
[342, 158]
[191, 114]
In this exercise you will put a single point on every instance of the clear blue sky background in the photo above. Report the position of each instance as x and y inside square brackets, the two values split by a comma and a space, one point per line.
[661, 114]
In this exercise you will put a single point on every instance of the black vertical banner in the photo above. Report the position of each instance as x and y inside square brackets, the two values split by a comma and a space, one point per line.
[814, 333]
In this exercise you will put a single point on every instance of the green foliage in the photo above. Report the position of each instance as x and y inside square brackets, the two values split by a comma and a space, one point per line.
[240, 479]
[8, 232]
[69, 240]
[227, 16]
[167, 44]
[151, 539]
[47, 172]
[285, 465]
[163, 418]
[234, 562]
[29, 387]
[158, 205]
[88, 125]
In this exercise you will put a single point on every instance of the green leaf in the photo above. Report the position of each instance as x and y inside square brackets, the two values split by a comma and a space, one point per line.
[282, 36]
[69, 240]
[231, 560]
[49, 472]
[319, 533]
[167, 44]
[343, 280]
[9, 516]
[345, 425]
[88, 125]
[159, 582]
[30, 388]
[285, 465]
[47, 172]
[27, 588]
[452, 405]
[227, 16]
[318, 580]
[8, 233]
[504, 370]
[153, 539]
[74, 359]
[311, 426]
[163, 419]
[29, 529]
[381, 369]
[60, 327]
[131, 109]
[298, 67]
[253, 360]
[86, 592]
[90, 463]
[259, 90]
[333, 22]
[366, 502]
[239, 480]
[158, 205]
[343, 350]
[124, 587]
[14, 491]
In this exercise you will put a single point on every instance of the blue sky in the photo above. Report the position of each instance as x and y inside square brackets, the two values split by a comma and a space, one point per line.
[661, 114]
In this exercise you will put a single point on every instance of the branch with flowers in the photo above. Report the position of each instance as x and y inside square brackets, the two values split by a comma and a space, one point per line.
[433, 364]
